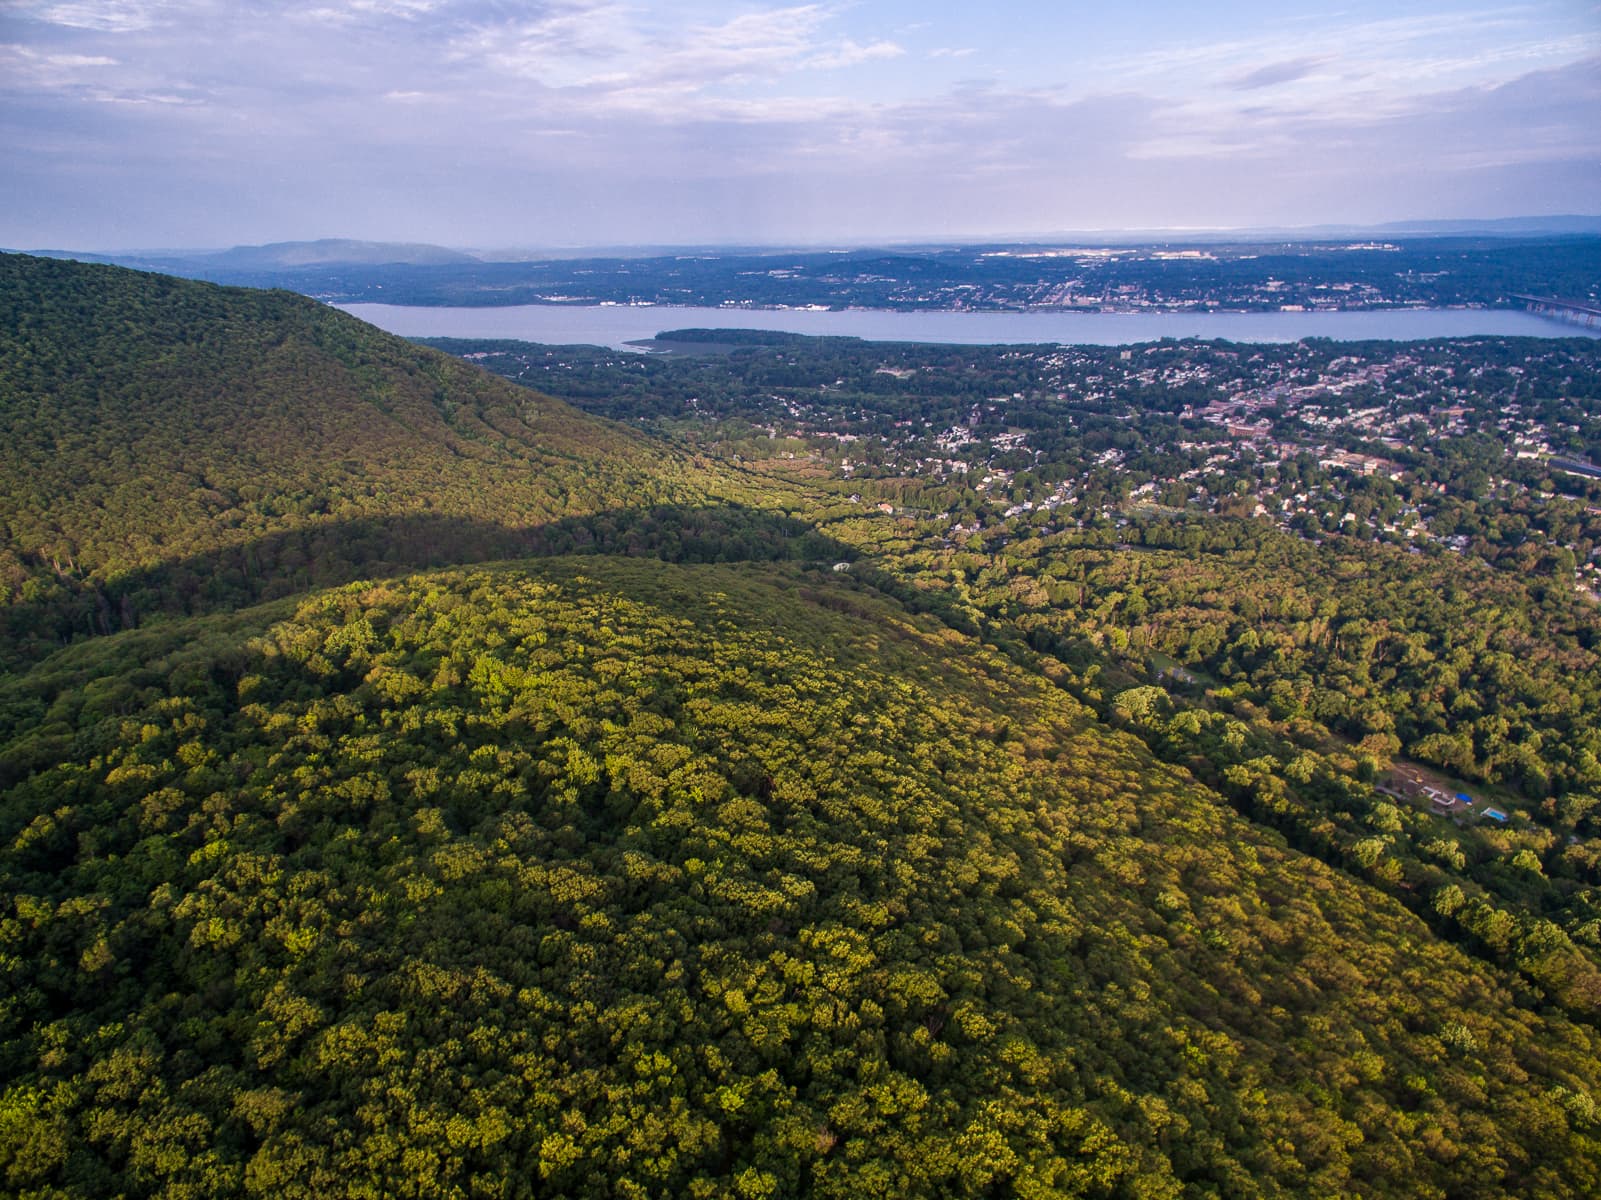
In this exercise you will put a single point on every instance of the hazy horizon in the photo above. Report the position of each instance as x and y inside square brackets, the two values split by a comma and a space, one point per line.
[572, 124]
[1243, 235]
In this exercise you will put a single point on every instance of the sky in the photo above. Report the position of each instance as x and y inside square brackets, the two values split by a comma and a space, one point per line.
[139, 124]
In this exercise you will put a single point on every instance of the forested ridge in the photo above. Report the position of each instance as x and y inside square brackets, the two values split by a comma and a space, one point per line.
[594, 874]
[167, 446]
[595, 878]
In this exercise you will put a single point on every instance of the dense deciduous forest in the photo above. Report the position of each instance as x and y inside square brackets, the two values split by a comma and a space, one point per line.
[729, 841]
[171, 448]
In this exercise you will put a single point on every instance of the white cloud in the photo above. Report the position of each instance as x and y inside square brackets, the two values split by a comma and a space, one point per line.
[168, 99]
[568, 46]
[1408, 54]
[65, 61]
[394, 8]
[615, 51]
[104, 16]
[46, 71]
[849, 54]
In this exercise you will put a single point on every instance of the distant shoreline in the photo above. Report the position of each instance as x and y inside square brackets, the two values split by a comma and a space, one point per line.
[1050, 309]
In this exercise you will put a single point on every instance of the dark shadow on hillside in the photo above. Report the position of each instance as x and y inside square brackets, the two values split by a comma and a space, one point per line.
[300, 560]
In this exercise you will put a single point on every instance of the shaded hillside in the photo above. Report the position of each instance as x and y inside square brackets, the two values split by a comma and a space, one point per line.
[173, 444]
[601, 878]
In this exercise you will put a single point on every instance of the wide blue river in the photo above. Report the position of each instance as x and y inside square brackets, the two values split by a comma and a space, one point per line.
[618, 325]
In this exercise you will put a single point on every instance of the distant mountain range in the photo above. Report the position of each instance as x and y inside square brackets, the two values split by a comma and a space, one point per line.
[283, 256]
[1428, 263]
[332, 251]
[1511, 226]
[1507, 227]
[338, 252]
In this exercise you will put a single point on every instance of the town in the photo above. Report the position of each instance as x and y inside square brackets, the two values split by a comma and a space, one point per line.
[1483, 447]
[1294, 275]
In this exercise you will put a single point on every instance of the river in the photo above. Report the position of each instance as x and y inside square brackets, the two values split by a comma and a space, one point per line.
[618, 325]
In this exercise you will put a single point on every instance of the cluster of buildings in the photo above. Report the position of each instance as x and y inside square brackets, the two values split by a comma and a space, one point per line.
[1409, 783]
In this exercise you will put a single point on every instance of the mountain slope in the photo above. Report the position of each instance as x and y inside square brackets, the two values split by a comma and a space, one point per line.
[276, 257]
[168, 444]
[593, 877]
[143, 413]
[332, 252]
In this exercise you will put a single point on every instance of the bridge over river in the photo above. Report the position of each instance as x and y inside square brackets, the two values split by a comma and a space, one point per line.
[1580, 312]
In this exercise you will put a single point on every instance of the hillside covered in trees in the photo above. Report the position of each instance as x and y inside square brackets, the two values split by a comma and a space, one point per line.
[412, 786]
[173, 447]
